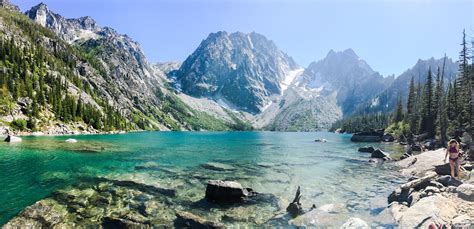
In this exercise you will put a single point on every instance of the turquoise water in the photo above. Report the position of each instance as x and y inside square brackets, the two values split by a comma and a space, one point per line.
[328, 173]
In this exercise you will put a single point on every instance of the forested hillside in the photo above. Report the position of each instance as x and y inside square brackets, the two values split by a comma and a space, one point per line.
[50, 85]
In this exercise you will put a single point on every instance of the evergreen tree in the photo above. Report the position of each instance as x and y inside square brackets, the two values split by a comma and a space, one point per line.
[427, 118]
[398, 113]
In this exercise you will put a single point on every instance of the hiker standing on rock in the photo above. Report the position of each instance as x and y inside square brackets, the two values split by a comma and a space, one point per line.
[453, 152]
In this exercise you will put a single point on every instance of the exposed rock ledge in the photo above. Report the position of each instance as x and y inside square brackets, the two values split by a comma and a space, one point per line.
[430, 198]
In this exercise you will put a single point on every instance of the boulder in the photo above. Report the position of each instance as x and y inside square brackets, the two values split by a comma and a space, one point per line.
[416, 147]
[71, 140]
[321, 140]
[368, 149]
[189, 220]
[430, 144]
[355, 223]
[12, 139]
[443, 169]
[447, 180]
[369, 136]
[378, 153]
[466, 191]
[461, 222]
[413, 198]
[226, 191]
[432, 209]
[388, 138]
[399, 195]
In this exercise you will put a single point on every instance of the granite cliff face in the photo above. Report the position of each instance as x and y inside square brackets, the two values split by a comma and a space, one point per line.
[240, 70]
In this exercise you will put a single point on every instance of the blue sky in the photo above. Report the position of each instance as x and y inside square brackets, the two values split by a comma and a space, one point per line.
[390, 35]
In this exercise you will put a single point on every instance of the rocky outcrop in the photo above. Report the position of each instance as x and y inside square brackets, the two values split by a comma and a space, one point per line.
[238, 69]
[219, 191]
[466, 192]
[378, 153]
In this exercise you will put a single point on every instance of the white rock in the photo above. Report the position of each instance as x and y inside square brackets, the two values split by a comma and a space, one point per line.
[12, 139]
[466, 191]
[462, 221]
[71, 140]
[355, 223]
[432, 209]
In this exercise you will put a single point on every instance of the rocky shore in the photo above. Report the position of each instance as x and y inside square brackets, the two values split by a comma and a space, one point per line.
[431, 197]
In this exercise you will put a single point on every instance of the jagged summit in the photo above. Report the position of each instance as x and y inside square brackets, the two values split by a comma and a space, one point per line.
[9, 6]
[241, 70]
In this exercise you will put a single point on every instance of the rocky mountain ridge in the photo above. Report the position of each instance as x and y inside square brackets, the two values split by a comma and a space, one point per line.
[237, 69]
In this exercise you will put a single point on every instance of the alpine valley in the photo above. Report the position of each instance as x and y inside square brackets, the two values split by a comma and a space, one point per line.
[64, 76]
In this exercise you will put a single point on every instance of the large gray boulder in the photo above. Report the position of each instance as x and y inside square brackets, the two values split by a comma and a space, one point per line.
[466, 191]
[432, 209]
[226, 191]
[447, 180]
[355, 223]
[12, 139]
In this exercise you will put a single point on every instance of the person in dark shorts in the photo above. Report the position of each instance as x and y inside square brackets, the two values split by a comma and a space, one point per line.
[453, 152]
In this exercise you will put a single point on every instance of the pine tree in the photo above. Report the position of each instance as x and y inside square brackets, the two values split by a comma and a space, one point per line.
[427, 118]
[398, 113]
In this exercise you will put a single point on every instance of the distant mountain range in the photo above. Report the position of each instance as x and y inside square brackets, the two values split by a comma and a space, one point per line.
[229, 80]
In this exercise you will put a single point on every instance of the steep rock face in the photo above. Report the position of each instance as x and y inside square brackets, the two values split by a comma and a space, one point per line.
[386, 100]
[347, 76]
[241, 70]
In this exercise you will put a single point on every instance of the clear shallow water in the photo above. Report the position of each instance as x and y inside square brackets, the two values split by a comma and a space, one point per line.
[270, 162]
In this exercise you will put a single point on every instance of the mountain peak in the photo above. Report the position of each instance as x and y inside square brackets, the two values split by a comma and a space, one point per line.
[8, 5]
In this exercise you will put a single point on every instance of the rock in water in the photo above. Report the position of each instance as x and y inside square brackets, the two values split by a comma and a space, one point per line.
[355, 223]
[217, 166]
[368, 149]
[226, 191]
[466, 191]
[11, 138]
[189, 220]
[378, 153]
[71, 140]
[295, 208]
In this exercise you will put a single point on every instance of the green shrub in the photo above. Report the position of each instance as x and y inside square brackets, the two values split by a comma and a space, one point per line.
[19, 124]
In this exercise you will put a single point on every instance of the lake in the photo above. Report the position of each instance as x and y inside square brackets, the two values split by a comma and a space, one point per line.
[330, 172]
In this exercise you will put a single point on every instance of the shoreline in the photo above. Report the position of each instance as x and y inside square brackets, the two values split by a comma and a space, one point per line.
[430, 196]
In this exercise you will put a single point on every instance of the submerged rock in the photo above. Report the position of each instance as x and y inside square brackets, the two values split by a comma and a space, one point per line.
[42, 214]
[388, 138]
[12, 139]
[355, 223]
[189, 220]
[71, 140]
[368, 149]
[218, 166]
[226, 191]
